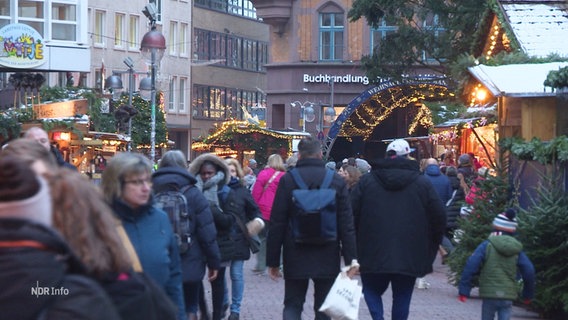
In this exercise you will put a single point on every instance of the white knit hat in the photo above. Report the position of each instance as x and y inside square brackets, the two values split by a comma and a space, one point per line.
[35, 208]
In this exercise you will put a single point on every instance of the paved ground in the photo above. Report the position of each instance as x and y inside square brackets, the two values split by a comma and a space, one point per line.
[263, 299]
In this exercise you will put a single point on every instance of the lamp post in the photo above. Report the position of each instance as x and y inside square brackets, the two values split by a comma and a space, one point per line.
[329, 113]
[308, 112]
[152, 47]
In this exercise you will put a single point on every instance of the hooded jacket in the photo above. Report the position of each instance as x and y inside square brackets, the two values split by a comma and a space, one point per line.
[263, 193]
[499, 258]
[41, 278]
[224, 220]
[203, 247]
[399, 219]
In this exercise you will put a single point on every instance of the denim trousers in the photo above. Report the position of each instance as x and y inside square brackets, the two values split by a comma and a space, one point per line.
[375, 284]
[261, 254]
[237, 285]
[502, 307]
[295, 295]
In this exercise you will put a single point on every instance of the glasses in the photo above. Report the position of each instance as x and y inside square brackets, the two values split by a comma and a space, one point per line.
[139, 182]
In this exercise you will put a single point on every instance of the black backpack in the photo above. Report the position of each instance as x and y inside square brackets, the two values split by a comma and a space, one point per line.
[315, 219]
[174, 203]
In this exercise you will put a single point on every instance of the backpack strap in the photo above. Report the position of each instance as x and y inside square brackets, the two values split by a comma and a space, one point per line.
[300, 182]
[327, 180]
[298, 179]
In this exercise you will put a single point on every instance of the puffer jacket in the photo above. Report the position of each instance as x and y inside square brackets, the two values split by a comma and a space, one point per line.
[263, 193]
[399, 218]
[203, 248]
[41, 278]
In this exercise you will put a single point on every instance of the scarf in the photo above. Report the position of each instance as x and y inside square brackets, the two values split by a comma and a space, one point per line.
[210, 187]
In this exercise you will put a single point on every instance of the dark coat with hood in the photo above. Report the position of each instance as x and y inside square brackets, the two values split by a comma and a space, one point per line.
[309, 261]
[240, 203]
[203, 248]
[222, 207]
[399, 218]
[453, 209]
[35, 257]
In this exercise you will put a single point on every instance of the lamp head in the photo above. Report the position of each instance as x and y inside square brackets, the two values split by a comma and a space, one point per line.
[151, 12]
[146, 88]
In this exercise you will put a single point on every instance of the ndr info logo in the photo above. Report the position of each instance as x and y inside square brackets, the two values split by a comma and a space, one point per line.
[48, 291]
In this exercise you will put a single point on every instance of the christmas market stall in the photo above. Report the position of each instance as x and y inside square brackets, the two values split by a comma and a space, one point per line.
[244, 141]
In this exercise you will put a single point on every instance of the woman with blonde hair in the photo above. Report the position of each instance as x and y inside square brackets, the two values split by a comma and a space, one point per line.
[350, 174]
[263, 193]
[127, 187]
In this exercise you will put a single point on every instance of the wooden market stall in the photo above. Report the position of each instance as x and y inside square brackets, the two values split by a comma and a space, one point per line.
[244, 141]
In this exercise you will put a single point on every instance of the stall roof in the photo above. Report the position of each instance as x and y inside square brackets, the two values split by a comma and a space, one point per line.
[516, 79]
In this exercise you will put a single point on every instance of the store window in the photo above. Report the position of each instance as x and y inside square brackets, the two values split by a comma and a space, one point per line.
[331, 29]
[219, 103]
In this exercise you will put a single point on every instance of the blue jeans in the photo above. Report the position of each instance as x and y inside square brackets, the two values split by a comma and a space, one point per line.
[375, 284]
[237, 285]
[502, 307]
[295, 296]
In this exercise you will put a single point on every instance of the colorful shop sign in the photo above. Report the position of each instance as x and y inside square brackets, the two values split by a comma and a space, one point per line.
[22, 47]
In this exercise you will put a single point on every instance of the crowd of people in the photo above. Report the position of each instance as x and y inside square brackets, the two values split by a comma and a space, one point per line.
[120, 257]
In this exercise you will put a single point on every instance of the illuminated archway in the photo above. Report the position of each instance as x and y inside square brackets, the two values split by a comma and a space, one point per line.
[364, 113]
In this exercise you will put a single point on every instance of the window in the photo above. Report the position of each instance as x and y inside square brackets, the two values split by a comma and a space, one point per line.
[99, 31]
[63, 21]
[183, 31]
[5, 9]
[243, 8]
[173, 44]
[172, 95]
[380, 33]
[119, 21]
[436, 30]
[218, 103]
[182, 94]
[31, 13]
[159, 9]
[133, 32]
[331, 36]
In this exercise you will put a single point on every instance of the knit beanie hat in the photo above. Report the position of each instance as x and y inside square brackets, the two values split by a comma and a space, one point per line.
[23, 194]
[464, 159]
[506, 222]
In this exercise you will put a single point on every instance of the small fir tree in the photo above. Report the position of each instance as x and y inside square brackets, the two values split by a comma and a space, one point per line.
[544, 233]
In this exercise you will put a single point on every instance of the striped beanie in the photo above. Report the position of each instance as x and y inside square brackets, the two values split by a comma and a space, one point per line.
[506, 221]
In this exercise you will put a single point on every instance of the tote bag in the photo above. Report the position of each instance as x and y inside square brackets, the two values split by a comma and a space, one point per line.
[342, 301]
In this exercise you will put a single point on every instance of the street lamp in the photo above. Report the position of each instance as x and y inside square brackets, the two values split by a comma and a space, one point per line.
[152, 47]
[114, 85]
[308, 112]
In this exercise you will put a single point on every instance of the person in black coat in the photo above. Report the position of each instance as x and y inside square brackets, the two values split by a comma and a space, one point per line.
[173, 175]
[320, 263]
[400, 221]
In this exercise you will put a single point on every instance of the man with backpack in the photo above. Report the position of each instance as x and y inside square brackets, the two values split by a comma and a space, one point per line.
[192, 222]
[307, 253]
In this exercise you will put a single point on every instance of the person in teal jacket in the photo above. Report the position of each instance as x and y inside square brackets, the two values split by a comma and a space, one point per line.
[497, 260]
[127, 187]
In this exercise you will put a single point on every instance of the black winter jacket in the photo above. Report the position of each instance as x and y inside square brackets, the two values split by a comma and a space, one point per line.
[399, 218]
[309, 261]
[41, 278]
[204, 248]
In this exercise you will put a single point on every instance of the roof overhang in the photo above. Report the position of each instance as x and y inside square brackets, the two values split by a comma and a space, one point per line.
[516, 80]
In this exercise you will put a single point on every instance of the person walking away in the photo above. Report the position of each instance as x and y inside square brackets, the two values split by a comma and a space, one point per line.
[497, 261]
[127, 184]
[399, 221]
[213, 176]
[350, 174]
[34, 257]
[172, 175]
[302, 262]
[241, 204]
[263, 194]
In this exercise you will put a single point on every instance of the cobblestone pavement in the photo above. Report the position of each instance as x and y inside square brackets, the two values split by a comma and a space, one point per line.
[263, 300]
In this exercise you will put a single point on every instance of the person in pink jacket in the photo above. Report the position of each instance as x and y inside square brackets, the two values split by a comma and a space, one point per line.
[263, 193]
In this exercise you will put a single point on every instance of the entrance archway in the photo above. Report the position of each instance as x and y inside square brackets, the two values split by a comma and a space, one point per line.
[368, 110]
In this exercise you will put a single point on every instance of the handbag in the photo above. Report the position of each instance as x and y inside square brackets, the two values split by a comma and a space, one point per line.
[342, 301]
[253, 241]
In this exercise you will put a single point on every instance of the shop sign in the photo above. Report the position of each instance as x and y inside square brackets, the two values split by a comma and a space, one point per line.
[22, 47]
[326, 78]
[109, 148]
[63, 109]
[95, 142]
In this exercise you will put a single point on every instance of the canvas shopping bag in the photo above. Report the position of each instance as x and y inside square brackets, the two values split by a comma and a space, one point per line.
[342, 301]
